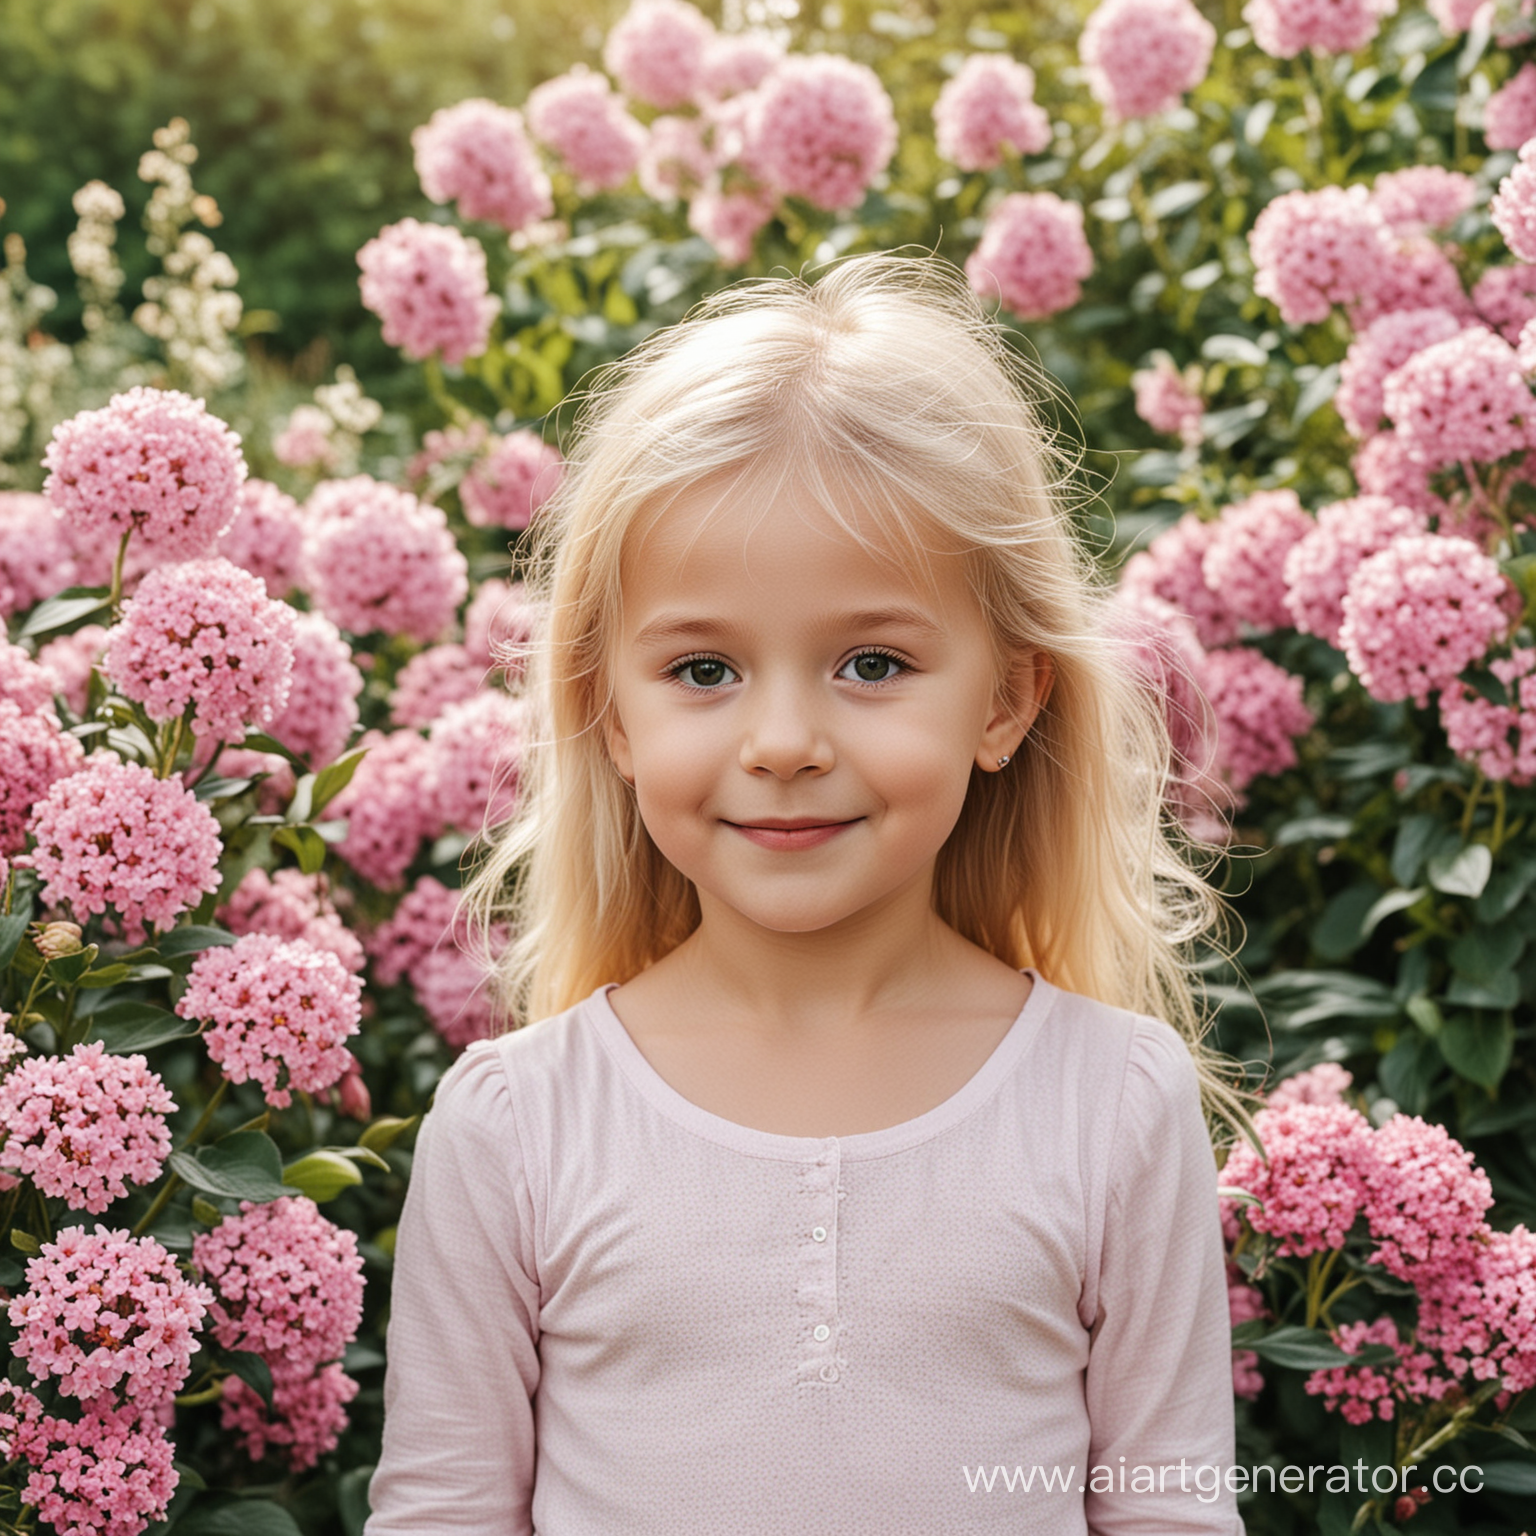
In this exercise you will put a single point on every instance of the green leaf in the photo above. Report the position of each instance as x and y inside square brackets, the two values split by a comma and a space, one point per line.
[1425, 1012]
[1412, 845]
[1169, 202]
[1510, 1477]
[334, 778]
[1489, 953]
[105, 976]
[1339, 929]
[24, 1242]
[206, 1212]
[1478, 1046]
[1408, 1071]
[1393, 901]
[352, 1499]
[68, 969]
[68, 608]
[1302, 1349]
[1223, 347]
[212, 790]
[237, 1517]
[192, 940]
[259, 741]
[306, 843]
[322, 1175]
[1463, 873]
[253, 1371]
[13, 929]
[188, 1477]
[1496, 992]
[11, 1274]
[128, 1027]
[383, 1132]
[1316, 393]
[243, 1166]
[1506, 888]
[1306, 829]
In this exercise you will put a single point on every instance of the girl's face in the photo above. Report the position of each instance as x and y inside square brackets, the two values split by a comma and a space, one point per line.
[799, 719]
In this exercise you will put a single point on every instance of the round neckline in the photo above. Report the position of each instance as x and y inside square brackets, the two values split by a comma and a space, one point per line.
[892, 1138]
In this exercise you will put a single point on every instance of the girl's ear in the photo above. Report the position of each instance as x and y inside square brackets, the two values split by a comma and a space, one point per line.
[618, 746]
[1033, 676]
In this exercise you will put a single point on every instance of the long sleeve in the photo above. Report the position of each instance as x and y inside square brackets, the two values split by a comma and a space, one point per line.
[1159, 1380]
[463, 1364]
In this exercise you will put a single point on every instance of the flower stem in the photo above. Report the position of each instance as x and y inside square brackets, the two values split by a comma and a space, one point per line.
[173, 1180]
[207, 1115]
[115, 596]
[1473, 796]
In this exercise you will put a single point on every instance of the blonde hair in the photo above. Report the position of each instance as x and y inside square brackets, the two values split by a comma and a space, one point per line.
[887, 376]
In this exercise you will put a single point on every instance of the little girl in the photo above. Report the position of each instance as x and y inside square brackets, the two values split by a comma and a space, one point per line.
[845, 1178]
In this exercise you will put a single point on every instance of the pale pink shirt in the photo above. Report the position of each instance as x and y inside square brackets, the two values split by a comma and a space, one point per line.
[617, 1314]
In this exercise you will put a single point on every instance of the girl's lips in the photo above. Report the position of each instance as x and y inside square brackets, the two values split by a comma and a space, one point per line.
[792, 837]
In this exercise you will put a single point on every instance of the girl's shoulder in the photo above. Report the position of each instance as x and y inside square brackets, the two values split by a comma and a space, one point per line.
[1108, 1044]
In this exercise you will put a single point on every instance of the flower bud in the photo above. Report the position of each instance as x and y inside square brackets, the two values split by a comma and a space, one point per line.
[352, 1098]
[1421, 1494]
[1405, 1508]
[54, 940]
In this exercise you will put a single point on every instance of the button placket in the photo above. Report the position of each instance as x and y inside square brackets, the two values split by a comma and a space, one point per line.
[820, 1360]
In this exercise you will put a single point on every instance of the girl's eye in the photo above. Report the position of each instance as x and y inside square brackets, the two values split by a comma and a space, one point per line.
[708, 672]
[874, 667]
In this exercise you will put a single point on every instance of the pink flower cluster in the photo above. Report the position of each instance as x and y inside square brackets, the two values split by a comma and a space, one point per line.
[280, 1011]
[22, 681]
[152, 461]
[656, 51]
[1505, 298]
[1033, 255]
[34, 754]
[821, 127]
[1326, 1083]
[428, 284]
[477, 152]
[204, 636]
[1360, 1393]
[736, 63]
[1142, 55]
[1172, 567]
[1483, 1320]
[1422, 197]
[84, 1126]
[1245, 559]
[386, 811]
[1318, 568]
[1384, 346]
[730, 220]
[291, 905]
[1509, 115]
[1259, 711]
[1513, 208]
[379, 559]
[1168, 402]
[267, 537]
[677, 162]
[505, 487]
[108, 1316]
[578, 117]
[432, 680]
[987, 107]
[1414, 273]
[1499, 738]
[1283, 28]
[288, 1285]
[321, 712]
[476, 747]
[498, 626]
[1420, 611]
[35, 555]
[69, 661]
[115, 835]
[1312, 250]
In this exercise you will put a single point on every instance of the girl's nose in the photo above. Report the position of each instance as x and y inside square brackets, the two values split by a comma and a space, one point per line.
[783, 733]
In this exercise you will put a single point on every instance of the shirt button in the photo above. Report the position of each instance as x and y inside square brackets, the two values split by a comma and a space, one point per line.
[829, 1373]
[820, 1234]
[822, 1331]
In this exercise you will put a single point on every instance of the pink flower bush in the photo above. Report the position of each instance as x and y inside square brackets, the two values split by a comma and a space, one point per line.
[1359, 1393]
[204, 636]
[291, 905]
[1313, 1185]
[1385, 345]
[1033, 255]
[1312, 250]
[1172, 567]
[1167, 402]
[1383, 467]
[498, 625]
[1414, 273]
[307, 1416]
[428, 284]
[1245, 559]
[1418, 612]
[1484, 1323]
[1461, 400]
[1326, 1083]
[108, 1314]
[1509, 115]
[1142, 55]
[115, 835]
[451, 987]
[730, 221]
[822, 128]
[22, 682]
[306, 440]
[379, 559]
[735, 63]
[321, 712]
[388, 807]
[35, 556]
[987, 107]
[1283, 28]
[475, 747]
[656, 51]
[266, 537]
[577, 116]
[1318, 569]
[1505, 298]
[432, 680]
[1259, 713]
[512, 481]
[280, 1011]
[421, 921]
[69, 661]
[1421, 197]
[1513, 209]
[677, 162]
[1499, 738]
[478, 152]
[34, 754]
[1245, 1304]
[84, 1126]
[1425, 1200]
[110, 1473]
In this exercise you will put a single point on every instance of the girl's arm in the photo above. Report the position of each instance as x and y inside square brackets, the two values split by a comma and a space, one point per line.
[463, 1325]
[1159, 1378]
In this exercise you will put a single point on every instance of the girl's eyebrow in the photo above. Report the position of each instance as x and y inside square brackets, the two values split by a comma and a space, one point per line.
[677, 626]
